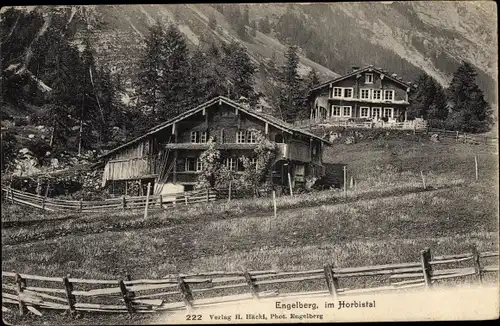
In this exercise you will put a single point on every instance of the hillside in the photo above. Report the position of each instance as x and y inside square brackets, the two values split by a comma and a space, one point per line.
[403, 37]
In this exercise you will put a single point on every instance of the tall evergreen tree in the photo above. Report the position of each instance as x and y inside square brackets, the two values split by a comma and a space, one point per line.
[292, 94]
[205, 82]
[239, 71]
[427, 100]
[469, 110]
[153, 72]
[176, 80]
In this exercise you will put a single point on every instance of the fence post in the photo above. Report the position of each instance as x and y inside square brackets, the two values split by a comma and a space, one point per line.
[426, 266]
[20, 285]
[68, 287]
[331, 281]
[147, 201]
[253, 288]
[123, 203]
[290, 184]
[47, 189]
[208, 195]
[456, 139]
[423, 179]
[477, 265]
[477, 172]
[229, 192]
[38, 190]
[129, 278]
[345, 181]
[126, 297]
[274, 203]
[11, 195]
[186, 199]
[187, 295]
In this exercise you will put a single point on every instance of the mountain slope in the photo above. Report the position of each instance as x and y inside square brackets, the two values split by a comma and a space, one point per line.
[406, 38]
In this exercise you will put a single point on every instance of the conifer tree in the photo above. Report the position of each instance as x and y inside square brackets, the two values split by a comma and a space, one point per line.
[153, 72]
[176, 81]
[292, 94]
[239, 71]
[469, 110]
[428, 100]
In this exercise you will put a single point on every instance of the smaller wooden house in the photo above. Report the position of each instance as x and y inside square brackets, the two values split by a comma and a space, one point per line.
[168, 154]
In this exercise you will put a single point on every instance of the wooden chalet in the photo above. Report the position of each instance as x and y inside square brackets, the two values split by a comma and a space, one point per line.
[168, 154]
[368, 94]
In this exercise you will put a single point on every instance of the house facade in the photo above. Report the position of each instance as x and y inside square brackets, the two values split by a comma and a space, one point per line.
[168, 155]
[365, 93]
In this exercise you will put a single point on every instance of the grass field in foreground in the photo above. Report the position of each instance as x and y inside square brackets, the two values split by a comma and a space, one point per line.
[386, 219]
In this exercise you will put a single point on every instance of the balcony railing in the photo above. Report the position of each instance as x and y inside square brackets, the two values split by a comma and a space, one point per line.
[368, 100]
[294, 151]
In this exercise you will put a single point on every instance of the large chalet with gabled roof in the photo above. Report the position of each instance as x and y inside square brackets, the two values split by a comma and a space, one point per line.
[168, 154]
[364, 93]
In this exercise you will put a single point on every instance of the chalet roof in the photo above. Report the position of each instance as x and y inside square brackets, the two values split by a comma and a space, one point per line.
[280, 124]
[357, 71]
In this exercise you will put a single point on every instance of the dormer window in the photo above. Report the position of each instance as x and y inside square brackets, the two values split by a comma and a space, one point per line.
[369, 78]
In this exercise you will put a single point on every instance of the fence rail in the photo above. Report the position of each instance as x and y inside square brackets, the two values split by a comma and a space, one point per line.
[404, 125]
[183, 291]
[464, 137]
[124, 202]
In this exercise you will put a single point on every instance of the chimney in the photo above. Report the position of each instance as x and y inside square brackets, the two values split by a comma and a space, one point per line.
[354, 68]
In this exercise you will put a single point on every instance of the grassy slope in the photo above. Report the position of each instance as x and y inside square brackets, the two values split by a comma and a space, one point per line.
[386, 219]
[386, 205]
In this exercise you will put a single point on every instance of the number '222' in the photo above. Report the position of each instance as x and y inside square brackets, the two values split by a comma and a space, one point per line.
[193, 317]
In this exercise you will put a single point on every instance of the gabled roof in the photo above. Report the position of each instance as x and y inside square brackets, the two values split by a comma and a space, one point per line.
[358, 71]
[280, 124]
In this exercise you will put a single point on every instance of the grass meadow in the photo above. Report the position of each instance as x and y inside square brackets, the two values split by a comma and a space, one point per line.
[387, 217]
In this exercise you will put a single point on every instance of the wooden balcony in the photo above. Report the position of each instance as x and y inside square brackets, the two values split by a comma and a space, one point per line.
[294, 151]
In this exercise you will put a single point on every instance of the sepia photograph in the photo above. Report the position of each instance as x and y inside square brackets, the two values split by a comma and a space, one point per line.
[227, 163]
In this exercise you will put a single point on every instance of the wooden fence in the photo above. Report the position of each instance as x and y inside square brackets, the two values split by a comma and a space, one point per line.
[406, 125]
[124, 202]
[463, 137]
[190, 291]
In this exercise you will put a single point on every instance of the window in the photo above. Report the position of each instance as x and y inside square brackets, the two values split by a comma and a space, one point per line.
[365, 93]
[365, 112]
[376, 112]
[199, 165]
[190, 164]
[240, 136]
[388, 95]
[194, 136]
[198, 137]
[368, 78]
[337, 92]
[230, 163]
[203, 137]
[251, 137]
[377, 94]
[348, 92]
[335, 111]
[347, 111]
[388, 112]
[253, 161]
